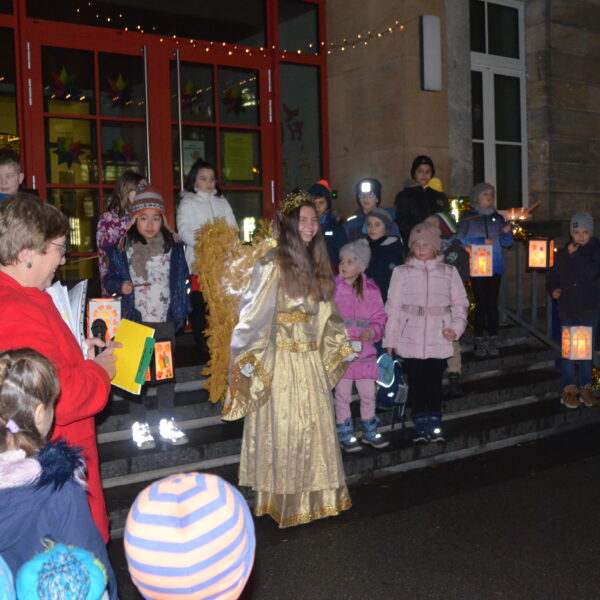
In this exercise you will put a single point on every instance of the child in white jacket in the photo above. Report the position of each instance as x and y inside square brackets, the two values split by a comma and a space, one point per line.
[427, 310]
[201, 202]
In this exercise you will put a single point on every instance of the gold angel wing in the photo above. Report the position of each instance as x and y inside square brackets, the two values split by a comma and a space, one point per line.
[225, 266]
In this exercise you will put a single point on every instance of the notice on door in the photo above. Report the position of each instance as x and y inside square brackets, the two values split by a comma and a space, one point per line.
[238, 160]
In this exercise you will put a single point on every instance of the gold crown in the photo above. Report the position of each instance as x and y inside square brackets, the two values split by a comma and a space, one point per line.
[294, 200]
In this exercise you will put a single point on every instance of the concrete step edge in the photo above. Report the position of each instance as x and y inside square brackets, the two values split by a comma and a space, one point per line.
[151, 475]
[411, 465]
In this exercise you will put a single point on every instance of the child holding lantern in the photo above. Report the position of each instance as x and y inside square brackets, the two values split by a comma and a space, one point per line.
[484, 225]
[574, 282]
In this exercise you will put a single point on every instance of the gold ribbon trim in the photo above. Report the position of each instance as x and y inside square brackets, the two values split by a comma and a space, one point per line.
[259, 371]
[338, 357]
[297, 346]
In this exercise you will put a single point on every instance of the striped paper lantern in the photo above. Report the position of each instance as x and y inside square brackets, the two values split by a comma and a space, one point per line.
[190, 536]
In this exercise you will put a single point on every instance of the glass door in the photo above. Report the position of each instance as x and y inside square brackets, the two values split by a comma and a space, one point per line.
[90, 105]
[105, 103]
[216, 116]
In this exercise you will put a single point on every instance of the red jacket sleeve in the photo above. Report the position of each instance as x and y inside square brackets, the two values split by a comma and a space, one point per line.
[84, 384]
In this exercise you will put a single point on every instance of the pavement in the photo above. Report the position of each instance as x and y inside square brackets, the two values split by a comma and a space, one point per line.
[519, 523]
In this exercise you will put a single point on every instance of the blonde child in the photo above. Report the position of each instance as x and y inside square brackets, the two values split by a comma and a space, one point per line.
[360, 305]
[11, 176]
[113, 222]
[148, 270]
[427, 310]
[42, 489]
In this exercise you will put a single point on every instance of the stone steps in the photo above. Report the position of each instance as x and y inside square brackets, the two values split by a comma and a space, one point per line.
[507, 400]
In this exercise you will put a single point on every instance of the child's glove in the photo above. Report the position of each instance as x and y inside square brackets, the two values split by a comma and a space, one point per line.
[350, 357]
[247, 370]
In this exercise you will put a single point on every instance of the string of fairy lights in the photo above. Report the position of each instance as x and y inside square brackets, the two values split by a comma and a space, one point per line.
[119, 20]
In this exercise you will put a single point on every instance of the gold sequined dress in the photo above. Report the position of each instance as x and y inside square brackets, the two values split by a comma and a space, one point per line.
[290, 453]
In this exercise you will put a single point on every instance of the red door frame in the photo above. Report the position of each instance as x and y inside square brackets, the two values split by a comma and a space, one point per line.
[32, 34]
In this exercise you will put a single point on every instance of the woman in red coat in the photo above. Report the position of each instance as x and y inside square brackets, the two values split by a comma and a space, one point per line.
[32, 246]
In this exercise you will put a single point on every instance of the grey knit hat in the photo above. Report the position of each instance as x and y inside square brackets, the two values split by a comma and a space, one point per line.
[478, 189]
[359, 251]
[384, 216]
[582, 220]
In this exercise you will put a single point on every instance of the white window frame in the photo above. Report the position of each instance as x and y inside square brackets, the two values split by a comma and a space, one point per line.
[489, 65]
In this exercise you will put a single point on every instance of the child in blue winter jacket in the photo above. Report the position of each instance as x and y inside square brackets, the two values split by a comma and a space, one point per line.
[149, 271]
[42, 484]
[484, 225]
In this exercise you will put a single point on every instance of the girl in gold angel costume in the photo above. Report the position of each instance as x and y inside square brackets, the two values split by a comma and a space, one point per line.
[288, 351]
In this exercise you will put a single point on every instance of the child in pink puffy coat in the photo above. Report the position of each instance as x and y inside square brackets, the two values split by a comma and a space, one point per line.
[361, 306]
[427, 310]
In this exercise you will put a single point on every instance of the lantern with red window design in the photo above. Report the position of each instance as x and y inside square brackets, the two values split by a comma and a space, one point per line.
[540, 254]
[577, 342]
[482, 260]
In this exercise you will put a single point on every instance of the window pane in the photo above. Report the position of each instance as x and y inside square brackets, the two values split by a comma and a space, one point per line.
[298, 26]
[198, 142]
[245, 205]
[240, 157]
[8, 95]
[122, 92]
[509, 189]
[503, 30]
[71, 151]
[228, 21]
[478, 164]
[68, 78]
[477, 104]
[6, 6]
[238, 96]
[507, 106]
[81, 206]
[123, 149]
[301, 125]
[197, 98]
[477, 24]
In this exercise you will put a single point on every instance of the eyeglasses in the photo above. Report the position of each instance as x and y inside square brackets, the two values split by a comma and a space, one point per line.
[63, 247]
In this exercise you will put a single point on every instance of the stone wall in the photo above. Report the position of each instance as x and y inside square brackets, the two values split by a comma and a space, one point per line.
[563, 99]
[379, 119]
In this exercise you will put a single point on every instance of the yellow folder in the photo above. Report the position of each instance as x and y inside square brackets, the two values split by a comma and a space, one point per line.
[135, 355]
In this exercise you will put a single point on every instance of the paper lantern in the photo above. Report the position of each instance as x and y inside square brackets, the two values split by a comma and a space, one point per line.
[577, 342]
[108, 309]
[482, 263]
[540, 253]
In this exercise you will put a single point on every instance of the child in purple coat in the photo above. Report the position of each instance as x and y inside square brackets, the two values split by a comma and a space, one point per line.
[361, 306]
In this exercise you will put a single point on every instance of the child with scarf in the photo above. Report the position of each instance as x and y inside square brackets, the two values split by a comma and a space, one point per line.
[148, 269]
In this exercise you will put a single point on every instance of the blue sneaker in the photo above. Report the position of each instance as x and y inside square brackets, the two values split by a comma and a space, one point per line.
[370, 435]
[420, 434]
[346, 436]
[434, 427]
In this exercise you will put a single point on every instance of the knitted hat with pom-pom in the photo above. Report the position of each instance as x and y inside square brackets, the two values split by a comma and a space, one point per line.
[61, 573]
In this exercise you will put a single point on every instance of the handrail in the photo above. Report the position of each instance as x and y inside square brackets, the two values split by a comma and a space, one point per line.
[541, 329]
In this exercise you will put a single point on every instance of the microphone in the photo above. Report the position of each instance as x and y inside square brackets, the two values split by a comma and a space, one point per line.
[99, 330]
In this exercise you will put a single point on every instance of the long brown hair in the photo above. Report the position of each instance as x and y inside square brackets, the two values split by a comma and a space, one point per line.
[119, 200]
[26, 379]
[305, 268]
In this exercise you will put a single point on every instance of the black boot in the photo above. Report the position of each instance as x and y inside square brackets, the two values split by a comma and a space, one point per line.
[454, 387]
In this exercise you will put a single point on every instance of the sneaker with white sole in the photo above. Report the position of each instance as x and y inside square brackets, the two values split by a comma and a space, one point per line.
[143, 439]
[169, 431]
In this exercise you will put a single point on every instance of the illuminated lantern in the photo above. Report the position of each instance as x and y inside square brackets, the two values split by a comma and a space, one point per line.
[482, 263]
[540, 253]
[108, 309]
[577, 342]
